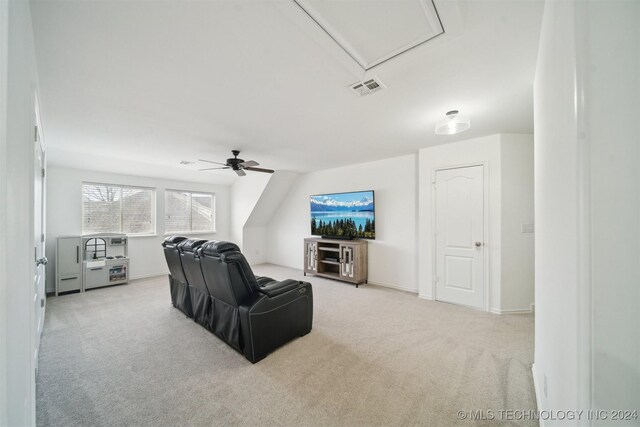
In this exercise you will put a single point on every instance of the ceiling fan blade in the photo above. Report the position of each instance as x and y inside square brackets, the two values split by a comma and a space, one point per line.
[260, 170]
[209, 161]
[210, 169]
[249, 163]
[240, 172]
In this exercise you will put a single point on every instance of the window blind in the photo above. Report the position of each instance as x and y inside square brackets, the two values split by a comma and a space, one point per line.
[117, 209]
[186, 211]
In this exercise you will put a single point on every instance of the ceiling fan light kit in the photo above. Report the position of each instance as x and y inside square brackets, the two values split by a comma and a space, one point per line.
[239, 166]
[453, 123]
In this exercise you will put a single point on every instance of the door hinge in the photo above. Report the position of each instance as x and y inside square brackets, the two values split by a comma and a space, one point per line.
[42, 237]
[43, 173]
[41, 302]
[437, 279]
[35, 133]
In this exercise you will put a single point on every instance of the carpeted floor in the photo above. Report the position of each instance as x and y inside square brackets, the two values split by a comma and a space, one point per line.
[376, 356]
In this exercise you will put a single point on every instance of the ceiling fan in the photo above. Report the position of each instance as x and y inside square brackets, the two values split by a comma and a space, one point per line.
[238, 165]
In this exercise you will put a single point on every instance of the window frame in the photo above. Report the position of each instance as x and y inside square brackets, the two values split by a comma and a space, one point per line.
[154, 210]
[191, 193]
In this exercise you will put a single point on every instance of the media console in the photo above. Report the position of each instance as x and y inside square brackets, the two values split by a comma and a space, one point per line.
[344, 260]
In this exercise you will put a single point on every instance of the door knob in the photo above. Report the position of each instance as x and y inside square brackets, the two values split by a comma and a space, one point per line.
[478, 244]
[41, 261]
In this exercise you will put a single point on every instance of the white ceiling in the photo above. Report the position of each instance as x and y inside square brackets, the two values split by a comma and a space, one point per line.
[136, 86]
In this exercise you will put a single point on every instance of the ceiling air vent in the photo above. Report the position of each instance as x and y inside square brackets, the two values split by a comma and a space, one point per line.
[367, 87]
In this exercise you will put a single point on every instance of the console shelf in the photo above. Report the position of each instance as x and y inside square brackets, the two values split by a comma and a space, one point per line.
[344, 260]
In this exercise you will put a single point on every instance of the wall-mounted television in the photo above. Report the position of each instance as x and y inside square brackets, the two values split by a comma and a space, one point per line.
[344, 215]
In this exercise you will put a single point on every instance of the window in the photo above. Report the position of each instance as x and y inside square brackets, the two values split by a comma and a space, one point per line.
[110, 208]
[187, 212]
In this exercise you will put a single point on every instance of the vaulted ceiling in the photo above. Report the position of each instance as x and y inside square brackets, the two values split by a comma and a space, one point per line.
[137, 86]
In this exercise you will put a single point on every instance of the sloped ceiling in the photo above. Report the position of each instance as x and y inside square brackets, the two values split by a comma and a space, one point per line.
[137, 86]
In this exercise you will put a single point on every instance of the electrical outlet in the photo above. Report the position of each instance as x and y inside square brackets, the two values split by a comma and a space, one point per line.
[545, 385]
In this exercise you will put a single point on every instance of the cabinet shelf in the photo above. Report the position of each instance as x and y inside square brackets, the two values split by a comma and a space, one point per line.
[328, 249]
[324, 261]
[329, 274]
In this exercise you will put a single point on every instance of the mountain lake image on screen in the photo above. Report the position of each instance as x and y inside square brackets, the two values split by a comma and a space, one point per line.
[344, 215]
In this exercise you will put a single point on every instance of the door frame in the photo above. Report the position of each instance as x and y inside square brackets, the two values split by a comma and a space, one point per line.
[485, 232]
[39, 145]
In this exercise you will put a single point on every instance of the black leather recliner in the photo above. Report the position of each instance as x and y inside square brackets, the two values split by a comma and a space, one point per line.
[253, 316]
[177, 281]
[198, 292]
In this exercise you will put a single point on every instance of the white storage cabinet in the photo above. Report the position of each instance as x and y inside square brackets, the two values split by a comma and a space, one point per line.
[68, 264]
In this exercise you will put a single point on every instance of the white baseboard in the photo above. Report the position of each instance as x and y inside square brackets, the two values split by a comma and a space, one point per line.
[511, 311]
[537, 391]
[386, 285]
[427, 297]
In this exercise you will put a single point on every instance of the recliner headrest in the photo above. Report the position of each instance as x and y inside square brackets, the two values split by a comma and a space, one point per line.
[172, 240]
[215, 248]
[190, 245]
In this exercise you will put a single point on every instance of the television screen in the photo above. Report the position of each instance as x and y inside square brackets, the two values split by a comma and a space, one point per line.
[344, 215]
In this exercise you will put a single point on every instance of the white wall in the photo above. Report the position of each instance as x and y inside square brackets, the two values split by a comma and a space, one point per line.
[17, 405]
[64, 215]
[611, 120]
[254, 238]
[517, 248]
[244, 195]
[587, 346]
[392, 260]
[472, 151]
[556, 210]
[4, 32]
[254, 199]
[255, 247]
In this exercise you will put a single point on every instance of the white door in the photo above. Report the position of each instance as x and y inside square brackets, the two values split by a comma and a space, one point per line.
[459, 241]
[39, 292]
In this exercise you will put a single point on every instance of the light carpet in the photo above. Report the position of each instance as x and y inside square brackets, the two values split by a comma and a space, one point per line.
[376, 356]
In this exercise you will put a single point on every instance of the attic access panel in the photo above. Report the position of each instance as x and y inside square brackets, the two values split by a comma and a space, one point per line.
[374, 31]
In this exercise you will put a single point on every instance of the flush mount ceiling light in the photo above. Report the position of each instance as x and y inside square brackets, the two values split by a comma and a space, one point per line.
[454, 123]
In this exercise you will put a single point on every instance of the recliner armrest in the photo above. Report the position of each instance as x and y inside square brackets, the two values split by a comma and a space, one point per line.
[278, 288]
[264, 280]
